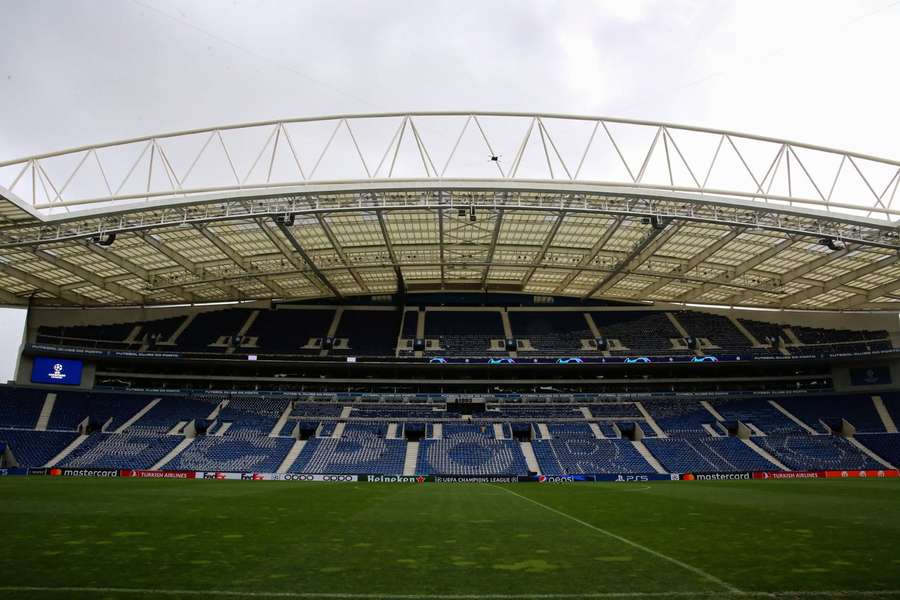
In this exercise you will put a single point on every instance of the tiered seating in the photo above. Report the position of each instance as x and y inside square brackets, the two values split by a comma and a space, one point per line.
[316, 409]
[463, 333]
[363, 431]
[369, 332]
[91, 336]
[758, 412]
[286, 331]
[35, 448]
[71, 408]
[615, 410]
[467, 432]
[570, 430]
[818, 411]
[409, 411]
[680, 417]
[140, 449]
[20, 407]
[539, 412]
[466, 456]
[226, 453]
[582, 456]
[717, 329]
[765, 333]
[356, 456]
[885, 445]
[647, 333]
[169, 411]
[252, 416]
[816, 453]
[699, 455]
[842, 340]
[207, 328]
[552, 333]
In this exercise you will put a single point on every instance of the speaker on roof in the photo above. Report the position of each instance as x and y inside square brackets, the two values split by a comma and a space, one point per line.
[511, 345]
[602, 344]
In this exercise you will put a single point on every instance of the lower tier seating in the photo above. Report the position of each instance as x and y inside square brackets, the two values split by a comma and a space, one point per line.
[262, 454]
[816, 453]
[35, 448]
[136, 450]
[580, 456]
[354, 456]
[468, 456]
[698, 455]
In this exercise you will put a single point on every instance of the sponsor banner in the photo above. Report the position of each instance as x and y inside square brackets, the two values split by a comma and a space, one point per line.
[308, 477]
[61, 472]
[869, 473]
[41, 471]
[217, 475]
[475, 479]
[157, 474]
[788, 474]
[13, 471]
[396, 478]
[640, 478]
[722, 476]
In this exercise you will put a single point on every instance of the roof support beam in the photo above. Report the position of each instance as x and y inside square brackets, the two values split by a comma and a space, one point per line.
[694, 261]
[440, 213]
[498, 223]
[654, 239]
[868, 296]
[591, 254]
[725, 279]
[401, 285]
[236, 258]
[50, 288]
[340, 252]
[115, 288]
[286, 232]
[836, 282]
[285, 249]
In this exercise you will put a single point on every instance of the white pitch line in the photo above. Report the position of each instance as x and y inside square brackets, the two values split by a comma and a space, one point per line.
[651, 551]
[333, 595]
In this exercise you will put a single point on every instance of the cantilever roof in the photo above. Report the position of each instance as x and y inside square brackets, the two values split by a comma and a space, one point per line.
[364, 204]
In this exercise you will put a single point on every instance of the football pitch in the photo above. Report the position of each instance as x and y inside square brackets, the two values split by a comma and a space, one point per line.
[81, 538]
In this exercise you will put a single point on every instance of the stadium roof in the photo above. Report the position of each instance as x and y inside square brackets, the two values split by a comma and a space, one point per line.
[346, 205]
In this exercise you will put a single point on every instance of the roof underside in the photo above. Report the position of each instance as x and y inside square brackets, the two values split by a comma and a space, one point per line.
[344, 244]
[343, 205]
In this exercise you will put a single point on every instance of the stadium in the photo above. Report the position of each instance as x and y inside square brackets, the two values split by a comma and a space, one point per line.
[696, 331]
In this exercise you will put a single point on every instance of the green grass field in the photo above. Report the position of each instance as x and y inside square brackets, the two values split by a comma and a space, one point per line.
[236, 539]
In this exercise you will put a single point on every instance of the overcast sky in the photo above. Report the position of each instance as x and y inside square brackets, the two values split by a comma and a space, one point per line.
[76, 72]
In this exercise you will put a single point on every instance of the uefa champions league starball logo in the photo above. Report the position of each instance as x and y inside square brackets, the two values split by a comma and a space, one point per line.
[57, 373]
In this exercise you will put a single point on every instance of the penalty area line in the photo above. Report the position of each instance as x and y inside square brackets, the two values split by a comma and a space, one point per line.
[351, 596]
[651, 551]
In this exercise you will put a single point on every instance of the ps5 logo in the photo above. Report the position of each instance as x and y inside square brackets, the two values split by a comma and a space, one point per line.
[57, 373]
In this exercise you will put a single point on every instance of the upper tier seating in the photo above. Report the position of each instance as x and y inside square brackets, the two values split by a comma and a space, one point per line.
[227, 453]
[466, 333]
[252, 417]
[208, 327]
[570, 430]
[698, 455]
[357, 456]
[136, 450]
[286, 331]
[369, 332]
[641, 332]
[717, 329]
[816, 453]
[468, 456]
[583, 456]
[35, 448]
[552, 333]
